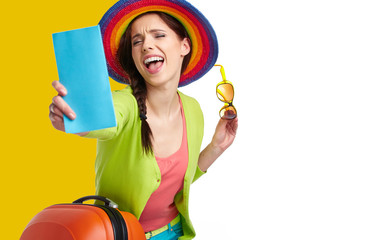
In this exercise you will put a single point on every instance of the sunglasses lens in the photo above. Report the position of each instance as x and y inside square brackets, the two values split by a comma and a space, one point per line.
[228, 112]
[225, 92]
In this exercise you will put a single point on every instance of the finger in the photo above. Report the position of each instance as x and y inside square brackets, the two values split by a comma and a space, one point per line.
[221, 124]
[55, 118]
[57, 122]
[63, 107]
[232, 126]
[54, 109]
[59, 88]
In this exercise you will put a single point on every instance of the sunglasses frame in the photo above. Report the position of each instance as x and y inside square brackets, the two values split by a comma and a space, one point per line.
[227, 104]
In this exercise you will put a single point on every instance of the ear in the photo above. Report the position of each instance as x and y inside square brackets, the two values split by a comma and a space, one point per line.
[185, 47]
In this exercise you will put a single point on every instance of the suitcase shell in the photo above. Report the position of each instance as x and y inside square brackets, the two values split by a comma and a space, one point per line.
[78, 221]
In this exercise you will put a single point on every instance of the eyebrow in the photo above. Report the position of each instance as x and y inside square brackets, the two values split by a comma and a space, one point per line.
[150, 31]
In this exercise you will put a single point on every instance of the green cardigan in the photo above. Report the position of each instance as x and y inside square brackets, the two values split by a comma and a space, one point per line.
[128, 176]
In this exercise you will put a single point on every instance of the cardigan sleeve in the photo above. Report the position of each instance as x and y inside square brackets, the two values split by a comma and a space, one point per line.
[198, 173]
[124, 108]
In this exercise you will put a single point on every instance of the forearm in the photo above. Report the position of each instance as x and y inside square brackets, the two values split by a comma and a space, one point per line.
[208, 156]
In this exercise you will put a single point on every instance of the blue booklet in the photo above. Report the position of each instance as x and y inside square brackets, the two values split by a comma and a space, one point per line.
[83, 71]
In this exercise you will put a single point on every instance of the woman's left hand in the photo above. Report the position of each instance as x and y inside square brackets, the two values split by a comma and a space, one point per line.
[225, 133]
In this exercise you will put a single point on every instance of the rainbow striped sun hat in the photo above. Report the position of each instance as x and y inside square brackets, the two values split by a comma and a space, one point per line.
[203, 38]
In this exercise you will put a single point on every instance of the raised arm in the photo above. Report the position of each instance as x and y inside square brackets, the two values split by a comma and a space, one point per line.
[224, 135]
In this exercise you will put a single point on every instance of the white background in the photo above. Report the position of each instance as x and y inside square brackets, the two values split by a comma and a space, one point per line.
[297, 167]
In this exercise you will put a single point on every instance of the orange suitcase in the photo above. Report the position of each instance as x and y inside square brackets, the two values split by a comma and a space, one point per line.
[79, 221]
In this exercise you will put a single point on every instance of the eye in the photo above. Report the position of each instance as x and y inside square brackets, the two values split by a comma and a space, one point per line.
[136, 42]
[161, 35]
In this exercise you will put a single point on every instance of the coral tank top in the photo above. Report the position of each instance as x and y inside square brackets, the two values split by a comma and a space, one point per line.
[160, 208]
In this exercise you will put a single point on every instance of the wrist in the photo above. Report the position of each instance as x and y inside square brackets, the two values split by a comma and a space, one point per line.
[216, 149]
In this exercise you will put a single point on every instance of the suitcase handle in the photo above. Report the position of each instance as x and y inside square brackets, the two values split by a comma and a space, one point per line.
[107, 201]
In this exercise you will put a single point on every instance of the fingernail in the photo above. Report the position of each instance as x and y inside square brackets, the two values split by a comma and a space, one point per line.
[72, 116]
[63, 92]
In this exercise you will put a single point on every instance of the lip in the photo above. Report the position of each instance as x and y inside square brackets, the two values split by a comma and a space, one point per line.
[155, 70]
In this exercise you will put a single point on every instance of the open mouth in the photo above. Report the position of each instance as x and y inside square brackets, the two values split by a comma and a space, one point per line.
[153, 63]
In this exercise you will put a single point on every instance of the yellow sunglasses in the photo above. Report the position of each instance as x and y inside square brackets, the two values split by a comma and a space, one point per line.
[225, 93]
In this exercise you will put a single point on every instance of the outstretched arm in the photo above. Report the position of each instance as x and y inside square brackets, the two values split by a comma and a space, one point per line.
[224, 136]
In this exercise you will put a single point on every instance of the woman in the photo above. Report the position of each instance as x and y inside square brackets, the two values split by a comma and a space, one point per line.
[147, 163]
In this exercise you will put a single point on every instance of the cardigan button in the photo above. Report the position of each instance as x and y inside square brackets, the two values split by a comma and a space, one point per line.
[158, 180]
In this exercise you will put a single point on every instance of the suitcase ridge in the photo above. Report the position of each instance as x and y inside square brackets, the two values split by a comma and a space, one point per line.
[117, 221]
[110, 208]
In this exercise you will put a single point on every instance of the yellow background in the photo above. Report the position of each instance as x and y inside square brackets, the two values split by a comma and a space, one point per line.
[39, 165]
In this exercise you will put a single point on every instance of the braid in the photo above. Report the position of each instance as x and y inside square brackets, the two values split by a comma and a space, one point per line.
[140, 93]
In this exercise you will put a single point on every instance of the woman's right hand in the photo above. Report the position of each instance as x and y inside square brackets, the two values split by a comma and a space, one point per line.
[59, 107]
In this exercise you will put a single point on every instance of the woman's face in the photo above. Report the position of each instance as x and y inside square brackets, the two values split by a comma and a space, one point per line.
[157, 51]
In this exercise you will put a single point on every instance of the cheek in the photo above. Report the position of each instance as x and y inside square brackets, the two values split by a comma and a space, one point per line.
[135, 58]
[134, 54]
[174, 51]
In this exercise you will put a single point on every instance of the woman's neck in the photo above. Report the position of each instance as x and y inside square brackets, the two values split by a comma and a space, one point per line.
[162, 102]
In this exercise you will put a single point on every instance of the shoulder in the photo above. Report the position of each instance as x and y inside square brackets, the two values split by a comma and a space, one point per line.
[124, 94]
[124, 98]
[189, 101]
[125, 104]
[192, 108]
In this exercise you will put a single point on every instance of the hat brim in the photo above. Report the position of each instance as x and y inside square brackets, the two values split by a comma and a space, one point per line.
[203, 38]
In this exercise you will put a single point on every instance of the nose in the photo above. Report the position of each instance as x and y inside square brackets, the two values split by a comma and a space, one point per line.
[147, 44]
[147, 49]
